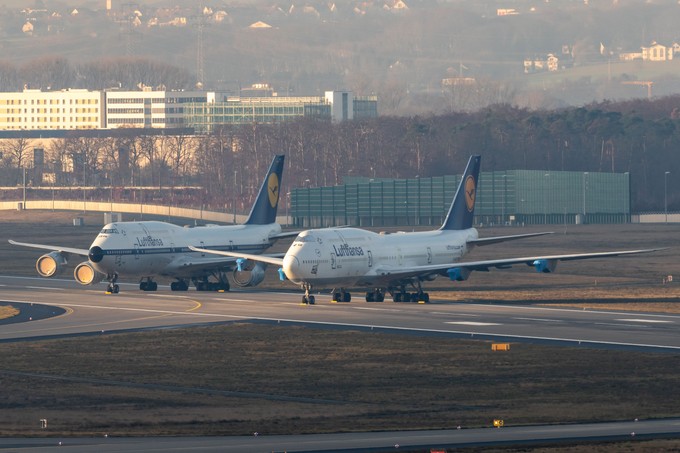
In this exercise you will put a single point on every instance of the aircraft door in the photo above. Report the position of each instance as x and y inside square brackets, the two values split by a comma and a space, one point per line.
[429, 255]
[202, 246]
[136, 252]
[334, 263]
[370, 258]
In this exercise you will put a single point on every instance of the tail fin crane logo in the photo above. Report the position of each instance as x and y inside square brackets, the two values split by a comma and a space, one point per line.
[273, 189]
[470, 193]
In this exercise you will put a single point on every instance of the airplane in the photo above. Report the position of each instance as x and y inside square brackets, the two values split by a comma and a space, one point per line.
[149, 249]
[354, 257]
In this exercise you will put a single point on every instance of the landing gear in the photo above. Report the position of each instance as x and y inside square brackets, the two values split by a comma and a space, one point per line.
[308, 299]
[112, 287]
[179, 285]
[375, 296]
[420, 296]
[148, 285]
[341, 296]
[205, 285]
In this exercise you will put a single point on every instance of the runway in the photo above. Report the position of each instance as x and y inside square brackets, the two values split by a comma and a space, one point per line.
[88, 310]
[364, 442]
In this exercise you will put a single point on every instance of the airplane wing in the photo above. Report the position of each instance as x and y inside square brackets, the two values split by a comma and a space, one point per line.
[285, 234]
[497, 239]
[276, 259]
[53, 248]
[460, 271]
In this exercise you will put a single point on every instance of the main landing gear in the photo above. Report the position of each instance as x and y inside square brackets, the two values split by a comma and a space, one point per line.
[420, 296]
[205, 285]
[112, 287]
[179, 285]
[375, 296]
[308, 299]
[341, 296]
[148, 285]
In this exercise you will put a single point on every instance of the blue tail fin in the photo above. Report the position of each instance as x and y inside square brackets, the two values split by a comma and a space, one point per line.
[462, 208]
[264, 209]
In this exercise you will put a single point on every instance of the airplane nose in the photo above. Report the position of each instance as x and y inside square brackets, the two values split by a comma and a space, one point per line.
[291, 267]
[96, 254]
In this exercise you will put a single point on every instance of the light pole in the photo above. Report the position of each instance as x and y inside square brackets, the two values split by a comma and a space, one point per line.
[233, 198]
[287, 204]
[505, 196]
[665, 194]
[545, 200]
[585, 183]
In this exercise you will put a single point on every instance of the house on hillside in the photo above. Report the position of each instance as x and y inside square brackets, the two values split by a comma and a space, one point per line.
[550, 63]
[657, 52]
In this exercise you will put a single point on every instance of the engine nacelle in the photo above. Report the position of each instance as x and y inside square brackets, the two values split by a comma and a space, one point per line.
[458, 274]
[50, 264]
[249, 277]
[85, 274]
[545, 266]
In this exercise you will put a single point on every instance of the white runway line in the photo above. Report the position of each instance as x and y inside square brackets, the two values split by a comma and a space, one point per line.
[473, 323]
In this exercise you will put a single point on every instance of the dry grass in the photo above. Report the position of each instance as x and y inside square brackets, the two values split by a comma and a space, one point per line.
[175, 383]
[8, 312]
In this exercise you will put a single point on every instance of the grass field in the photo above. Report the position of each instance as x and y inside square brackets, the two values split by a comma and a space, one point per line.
[242, 378]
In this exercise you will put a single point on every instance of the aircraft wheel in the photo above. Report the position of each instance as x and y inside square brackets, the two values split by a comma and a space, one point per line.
[116, 289]
[337, 297]
[312, 300]
[347, 297]
[379, 297]
[425, 297]
[396, 297]
[369, 297]
[414, 297]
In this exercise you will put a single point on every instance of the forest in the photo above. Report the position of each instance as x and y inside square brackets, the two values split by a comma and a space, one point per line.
[641, 137]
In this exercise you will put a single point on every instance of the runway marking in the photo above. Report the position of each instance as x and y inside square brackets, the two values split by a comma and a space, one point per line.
[448, 313]
[377, 309]
[473, 323]
[618, 324]
[45, 287]
[653, 321]
[539, 319]
[172, 296]
[573, 310]
[222, 299]
[392, 328]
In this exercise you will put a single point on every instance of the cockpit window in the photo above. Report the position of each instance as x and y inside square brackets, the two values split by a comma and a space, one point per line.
[109, 231]
[304, 237]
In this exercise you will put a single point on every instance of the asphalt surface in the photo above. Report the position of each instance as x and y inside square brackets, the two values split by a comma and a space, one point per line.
[88, 310]
[56, 308]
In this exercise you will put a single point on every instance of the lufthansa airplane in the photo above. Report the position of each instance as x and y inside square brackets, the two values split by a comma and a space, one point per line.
[352, 257]
[149, 249]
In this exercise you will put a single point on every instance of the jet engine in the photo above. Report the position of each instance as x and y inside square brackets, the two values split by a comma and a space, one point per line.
[85, 274]
[249, 277]
[50, 264]
[458, 274]
[545, 266]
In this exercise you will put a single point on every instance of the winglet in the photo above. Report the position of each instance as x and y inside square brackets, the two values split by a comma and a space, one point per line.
[462, 208]
[264, 209]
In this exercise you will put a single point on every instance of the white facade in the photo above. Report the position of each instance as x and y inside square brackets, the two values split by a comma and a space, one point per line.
[342, 105]
[36, 109]
[147, 108]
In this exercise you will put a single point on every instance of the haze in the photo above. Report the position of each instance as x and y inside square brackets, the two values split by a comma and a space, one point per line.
[418, 56]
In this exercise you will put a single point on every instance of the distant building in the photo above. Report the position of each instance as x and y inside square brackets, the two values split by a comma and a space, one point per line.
[655, 52]
[159, 109]
[334, 106]
[65, 109]
[550, 63]
[149, 108]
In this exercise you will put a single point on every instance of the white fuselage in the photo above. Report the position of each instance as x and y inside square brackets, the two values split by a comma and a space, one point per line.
[347, 257]
[152, 248]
